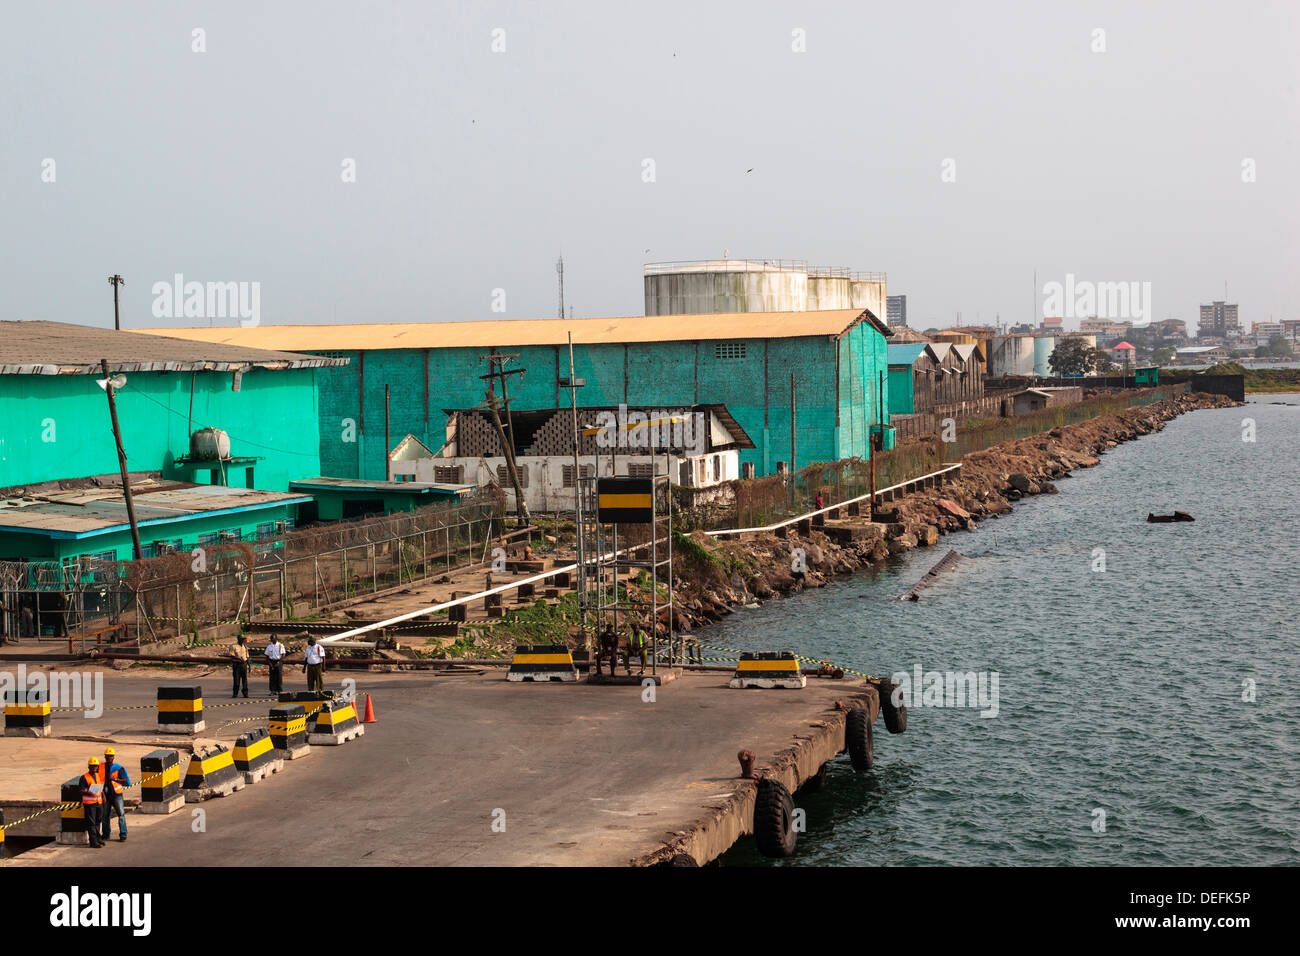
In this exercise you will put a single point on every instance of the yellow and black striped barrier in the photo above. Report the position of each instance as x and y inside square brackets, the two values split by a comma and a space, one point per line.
[160, 783]
[211, 773]
[769, 669]
[288, 731]
[336, 723]
[255, 755]
[72, 815]
[542, 663]
[180, 709]
[27, 713]
[625, 500]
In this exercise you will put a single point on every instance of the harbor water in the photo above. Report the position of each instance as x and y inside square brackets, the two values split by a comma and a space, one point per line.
[1147, 674]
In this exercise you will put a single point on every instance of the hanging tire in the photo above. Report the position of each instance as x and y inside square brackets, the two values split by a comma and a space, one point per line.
[895, 715]
[858, 739]
[773, 819]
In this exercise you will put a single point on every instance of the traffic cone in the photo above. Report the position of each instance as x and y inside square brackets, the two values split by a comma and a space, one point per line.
[369, 718]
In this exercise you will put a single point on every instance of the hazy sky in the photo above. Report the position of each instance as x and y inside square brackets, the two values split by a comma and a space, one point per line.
[475, 169]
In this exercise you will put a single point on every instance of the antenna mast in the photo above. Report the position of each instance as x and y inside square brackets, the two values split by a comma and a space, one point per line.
[559, 269]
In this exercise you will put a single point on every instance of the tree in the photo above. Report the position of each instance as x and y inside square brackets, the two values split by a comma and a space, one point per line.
[1278, 346]
[1163, 356]
[1072, 356]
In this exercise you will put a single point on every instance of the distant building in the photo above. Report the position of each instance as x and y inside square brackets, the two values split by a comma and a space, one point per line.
[1037, 399]
[1172, 328]
[896, 310]
[1196, 354]
[1105, 327]
[1218, 319]
[1052, 324]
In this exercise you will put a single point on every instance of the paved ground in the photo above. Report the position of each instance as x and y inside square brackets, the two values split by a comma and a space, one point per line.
[585, 775]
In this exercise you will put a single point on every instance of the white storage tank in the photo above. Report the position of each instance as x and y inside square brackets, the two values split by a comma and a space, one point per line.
[1011, 355]
[829, 289]
[1043, 348]
[209, 444]
[867, 291]
[726, 285]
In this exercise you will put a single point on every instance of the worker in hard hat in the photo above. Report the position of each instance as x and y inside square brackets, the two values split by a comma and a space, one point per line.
[92, 801]
[115, 780]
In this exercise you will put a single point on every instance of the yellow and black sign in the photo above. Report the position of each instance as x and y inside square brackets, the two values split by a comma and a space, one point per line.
[625, 500]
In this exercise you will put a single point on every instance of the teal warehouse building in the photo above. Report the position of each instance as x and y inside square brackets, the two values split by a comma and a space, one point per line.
[401, 379]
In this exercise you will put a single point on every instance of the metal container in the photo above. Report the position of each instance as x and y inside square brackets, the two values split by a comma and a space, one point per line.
[210, 444]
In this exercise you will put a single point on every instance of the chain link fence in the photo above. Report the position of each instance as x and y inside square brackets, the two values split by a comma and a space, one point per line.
[298, 574]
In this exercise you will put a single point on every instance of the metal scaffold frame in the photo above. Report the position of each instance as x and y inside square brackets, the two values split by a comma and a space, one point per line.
[605, 558]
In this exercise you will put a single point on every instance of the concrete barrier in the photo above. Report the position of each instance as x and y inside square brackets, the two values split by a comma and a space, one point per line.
[72, 815]
[160, 782]
[211, 773]
[769, 669]
[27, 713]
[255, 756]
[542, 663]
[288, 731]
[336, 723]
[180, 709]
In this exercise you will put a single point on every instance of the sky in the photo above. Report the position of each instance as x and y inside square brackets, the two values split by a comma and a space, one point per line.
[426, 161]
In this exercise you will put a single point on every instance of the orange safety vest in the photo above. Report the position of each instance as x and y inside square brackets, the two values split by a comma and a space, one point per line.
[94, 792]
[115, 780]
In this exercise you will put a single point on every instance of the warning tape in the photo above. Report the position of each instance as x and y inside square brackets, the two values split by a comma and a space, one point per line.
[143, 780]
[249, 700]
[807, 660]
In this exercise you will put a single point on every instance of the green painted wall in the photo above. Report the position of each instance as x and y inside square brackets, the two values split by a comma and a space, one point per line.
[901, 399]
[58, 426]
[330, 503]
[755, 388]
[36, 547]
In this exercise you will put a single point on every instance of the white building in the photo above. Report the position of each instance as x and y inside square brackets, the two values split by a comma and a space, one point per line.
[697, 447]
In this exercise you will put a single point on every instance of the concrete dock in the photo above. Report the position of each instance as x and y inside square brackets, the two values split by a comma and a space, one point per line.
[469, 769]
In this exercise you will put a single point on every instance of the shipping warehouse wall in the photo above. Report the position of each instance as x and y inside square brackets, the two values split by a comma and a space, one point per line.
[57, 426]
[837, 391]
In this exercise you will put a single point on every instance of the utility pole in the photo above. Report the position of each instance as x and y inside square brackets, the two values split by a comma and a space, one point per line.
[559, 268]
[121, 459]
[388, 445]
[573, 383]
[497, 369]
[115, 281]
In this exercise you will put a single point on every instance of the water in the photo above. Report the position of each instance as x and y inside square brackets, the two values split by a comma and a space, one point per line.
[1118, 690]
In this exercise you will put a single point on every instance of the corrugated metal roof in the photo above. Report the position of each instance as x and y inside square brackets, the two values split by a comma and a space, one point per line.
[904, 354]
[88, 511]
[361, 484]
[33, 347]
[502, 332]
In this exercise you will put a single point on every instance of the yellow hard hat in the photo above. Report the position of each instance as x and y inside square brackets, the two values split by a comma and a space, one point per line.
[110, 752]
[92, 762]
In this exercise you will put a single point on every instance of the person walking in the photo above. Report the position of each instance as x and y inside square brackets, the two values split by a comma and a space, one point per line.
[92, 801]
[314, 665]
[275, 664]
[608, 649]
[239, 666]
[116, 780]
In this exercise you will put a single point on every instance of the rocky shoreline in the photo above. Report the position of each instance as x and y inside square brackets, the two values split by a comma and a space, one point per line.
[715, 577]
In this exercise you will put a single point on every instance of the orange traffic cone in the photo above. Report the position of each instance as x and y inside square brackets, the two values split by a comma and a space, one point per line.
[369, 718]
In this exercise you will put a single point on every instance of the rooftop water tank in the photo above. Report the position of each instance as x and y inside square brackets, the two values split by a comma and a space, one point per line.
[209, 444]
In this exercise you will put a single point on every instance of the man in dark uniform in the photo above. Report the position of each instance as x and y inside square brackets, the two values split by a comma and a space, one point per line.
[608, 648]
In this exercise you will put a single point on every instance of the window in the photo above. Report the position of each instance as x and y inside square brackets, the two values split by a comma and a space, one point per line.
[641, 469]
[446, 474]
[729, 350]
[503, 475]
[208, 538]
[266, 530]
[166, 547]
[567, 474]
